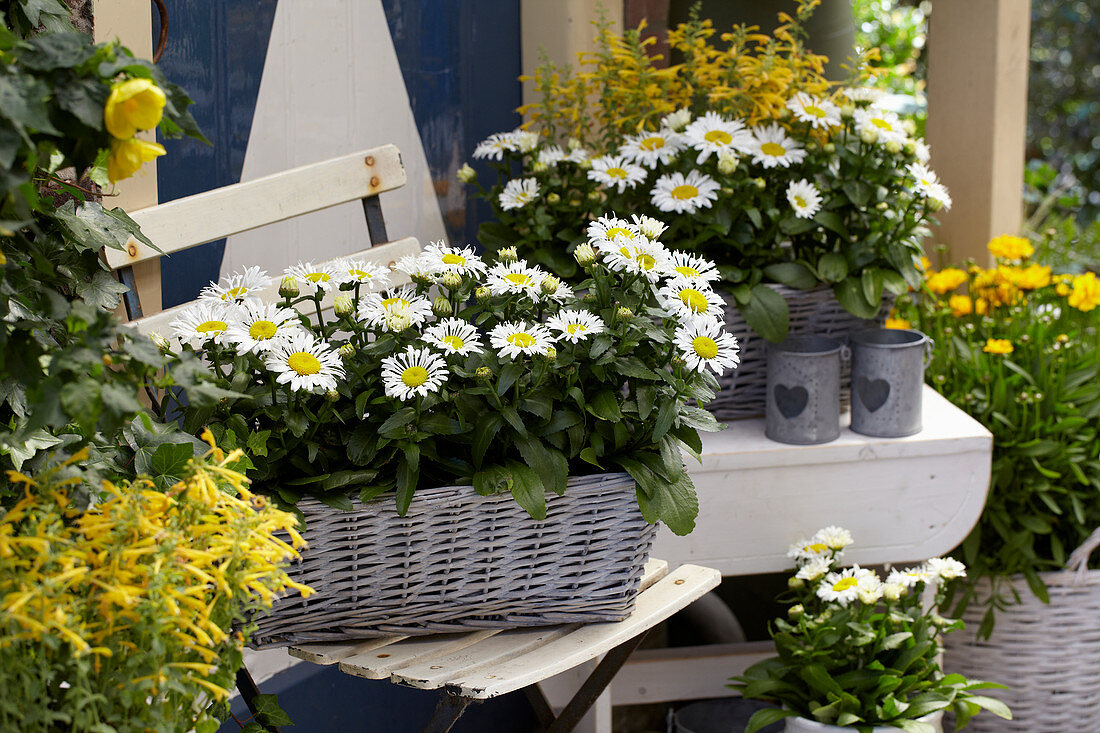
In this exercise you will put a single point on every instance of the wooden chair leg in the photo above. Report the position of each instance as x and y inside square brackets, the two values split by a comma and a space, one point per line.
[249, 691]
[594, 686]
[447, 712]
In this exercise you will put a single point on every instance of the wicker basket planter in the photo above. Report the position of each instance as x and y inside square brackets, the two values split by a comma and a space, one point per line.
[1047, 655]
[459, 561]
[813, 312]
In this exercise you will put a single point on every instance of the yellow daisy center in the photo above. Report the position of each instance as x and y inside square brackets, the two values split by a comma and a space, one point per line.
[705, 346]
[881, 124]
[262, 330]
[455, 342]
[687, 271]
[391, 302]
[452, 259]
[359, 274]
[414, 376]
[237, 292]
[816, 547]
[303, 364]
[211, 327]
[616, 231]
[694, 300]
[814, 110]
[684, 191]
[575, 328]
[521, 340]
[718, 136]
[773, 149]
[844, 584]
[318, 277]
[616, 172]
[646, 261]
[800, 202]
[652, 143]
[519, 278]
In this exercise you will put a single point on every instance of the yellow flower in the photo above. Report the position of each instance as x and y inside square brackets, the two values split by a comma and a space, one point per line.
[981, 306]
[996, 286]
[135, 104]
[997, 346]
[128, 155]
[960, 305]
[924, 264]
[1086, 292]
[1009, 247]
[1032, 277]
[946, 280]
[1062, 284]
[900, 323]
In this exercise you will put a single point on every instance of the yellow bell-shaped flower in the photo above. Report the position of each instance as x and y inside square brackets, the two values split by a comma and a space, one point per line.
[128, 155]
[135, 104]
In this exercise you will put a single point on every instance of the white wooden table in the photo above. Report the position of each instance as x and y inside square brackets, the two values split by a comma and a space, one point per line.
[484, 664]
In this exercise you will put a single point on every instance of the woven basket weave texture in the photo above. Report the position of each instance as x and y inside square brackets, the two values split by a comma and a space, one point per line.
[813, 312]
[1047, 655]
[458, 561]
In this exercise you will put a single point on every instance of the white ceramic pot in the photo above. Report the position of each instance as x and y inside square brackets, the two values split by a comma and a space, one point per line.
[805, 725]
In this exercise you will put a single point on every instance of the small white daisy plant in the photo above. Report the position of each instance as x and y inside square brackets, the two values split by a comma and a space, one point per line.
[491, 372]
[858, 650]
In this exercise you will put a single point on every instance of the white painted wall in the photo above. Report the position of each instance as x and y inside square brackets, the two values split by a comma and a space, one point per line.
[332, 85]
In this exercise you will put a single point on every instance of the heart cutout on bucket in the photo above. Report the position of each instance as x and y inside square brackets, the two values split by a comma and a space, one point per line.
[873, 393]
[791, 401]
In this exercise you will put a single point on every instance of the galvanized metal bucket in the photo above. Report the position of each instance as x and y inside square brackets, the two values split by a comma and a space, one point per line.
[803, 395]
[887, 378]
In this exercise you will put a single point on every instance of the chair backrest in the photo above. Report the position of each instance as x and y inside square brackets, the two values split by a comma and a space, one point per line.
[205, 217]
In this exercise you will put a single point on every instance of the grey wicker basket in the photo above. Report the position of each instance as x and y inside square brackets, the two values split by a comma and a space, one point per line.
[458, 561]
[813, 312]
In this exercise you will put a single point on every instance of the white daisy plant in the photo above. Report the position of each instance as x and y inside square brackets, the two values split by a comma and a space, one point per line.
[413, 373]
[402, 307]
[804, 198]
[304, 363]
[713, 133]
[575, 326]
[772, 147]
[453, 336]
[258, 327]
[819, 113]
[651, 149]
[684, 194]
[616, 172]
[204, 321]
[688, 300]
[312, 278]
[518, 193]
[238, 287]
[703, 344]
[516, 338]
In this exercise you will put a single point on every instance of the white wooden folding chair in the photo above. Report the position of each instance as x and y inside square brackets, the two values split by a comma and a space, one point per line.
[206, 217]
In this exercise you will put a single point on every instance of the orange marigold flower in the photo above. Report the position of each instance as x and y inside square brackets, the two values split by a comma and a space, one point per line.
[998, 346]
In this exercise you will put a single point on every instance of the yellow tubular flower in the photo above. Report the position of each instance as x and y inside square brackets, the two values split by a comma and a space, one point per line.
[1086, 292]
[127, 156]
[945, 280]
[135, 104]
[1008, 247]
[998, 346]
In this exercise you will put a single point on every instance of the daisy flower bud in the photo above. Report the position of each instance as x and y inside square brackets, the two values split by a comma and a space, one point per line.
[159, 341]
[624, 313]
[466, 174]
[796, 611]
[397, 322]
[573, 143]
[441, 306]
[107, 360]
[847, 110]
[794, 583]
[288, 287]
[585, 254]
[727, 162]
[882, 206]
[893, 147]
[868, 136]
[594, 195]
[343, 305]
[451, 280]
[726, 191]
[549, 285]
[552, 198]
[332, 395]
[507, 255]
[933, 204]
[482, 294]
[909, 126]
[550, 354]
[539, 167]
[484, 373]
[760, 183]
[585, 164]
[346, 351]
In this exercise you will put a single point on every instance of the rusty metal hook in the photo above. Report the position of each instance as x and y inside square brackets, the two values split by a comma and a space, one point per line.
[162, 40]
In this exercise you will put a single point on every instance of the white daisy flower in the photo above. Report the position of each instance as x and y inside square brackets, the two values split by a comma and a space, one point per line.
[651, 148]
[551, 155]
[419, 267]
[353, 270]
[514, 338]
[947, 568]
[578, 155]
[771, 147]
[395, 310]
[413, 373]
[684, 194]
[713, 133]
[687, 301]
[879, 125]
[869, 589]
[677, 120]
[518, 192]
[261, 326]
[910, 577]
[516, 278]
[922, 152]
[494, 146]
[842, 587]
[454, 336]
[525, 140]
[804, 198]
[893, 591]
[820, 113]
[807, 550]
[574, 326]
[864, 94]
[938, 195]
[638, 257]
[203, 321]
[833, 537]
[304, 362]
[703, 344]
[615, 172]
[924, 177]
[560, 293]
[447, 258]
[318, 277]
[650, 227]
[693, 268]
[238, 287]
[606, 230]
[814, 569]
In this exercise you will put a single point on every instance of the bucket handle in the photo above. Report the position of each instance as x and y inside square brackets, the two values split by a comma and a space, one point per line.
[929, 347]
[1079, 560]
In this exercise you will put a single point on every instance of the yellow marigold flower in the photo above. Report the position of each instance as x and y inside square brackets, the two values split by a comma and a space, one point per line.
[1008, 247]
[128, 155]
[1032, 277]
[997, 346]
[960, 305]
[899, 323]
[925, 264]
[1086, 292]
[946, 280]
[135, 104]
[981, 306]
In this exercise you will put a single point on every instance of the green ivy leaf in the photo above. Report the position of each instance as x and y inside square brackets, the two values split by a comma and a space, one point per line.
[268, 710]
[766, 313]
